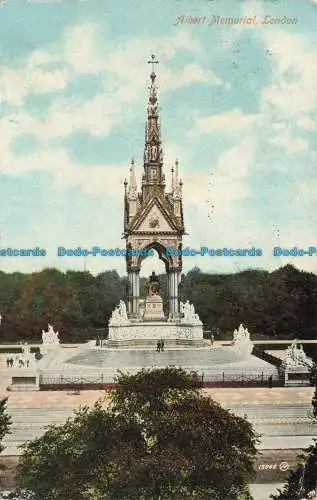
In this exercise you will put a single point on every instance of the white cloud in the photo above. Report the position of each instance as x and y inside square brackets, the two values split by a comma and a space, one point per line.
[93, 179]
[293, 90]
[236, 162]
[229, 121]
[82, 50]
[290, 144]
[16, 84]
[307, 123]
[225, 183]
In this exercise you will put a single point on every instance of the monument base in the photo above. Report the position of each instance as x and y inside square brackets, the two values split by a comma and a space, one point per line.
[146, 332]
[153, 308]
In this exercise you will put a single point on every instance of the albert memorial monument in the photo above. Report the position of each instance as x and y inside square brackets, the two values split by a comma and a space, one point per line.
[153, 219]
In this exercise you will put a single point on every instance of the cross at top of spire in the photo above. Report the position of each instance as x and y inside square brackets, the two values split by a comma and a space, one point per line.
[153, 61]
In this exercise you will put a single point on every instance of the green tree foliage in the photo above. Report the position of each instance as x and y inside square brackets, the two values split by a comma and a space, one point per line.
[302, 481]
[159, 439]
[5, 422]
[278, 304]
[281, 303]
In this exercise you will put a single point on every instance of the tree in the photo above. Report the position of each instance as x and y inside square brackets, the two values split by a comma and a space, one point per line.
[157, 438]
[5, 422]
[302, 482]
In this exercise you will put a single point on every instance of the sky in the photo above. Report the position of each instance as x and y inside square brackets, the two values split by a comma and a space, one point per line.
[238, 106]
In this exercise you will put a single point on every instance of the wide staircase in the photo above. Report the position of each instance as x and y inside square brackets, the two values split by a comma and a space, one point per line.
[283, 422]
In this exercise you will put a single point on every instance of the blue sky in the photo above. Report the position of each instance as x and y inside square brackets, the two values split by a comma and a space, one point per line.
[238, 109]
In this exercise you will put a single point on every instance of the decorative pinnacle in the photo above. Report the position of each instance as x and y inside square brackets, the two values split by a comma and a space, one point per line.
[153, 61]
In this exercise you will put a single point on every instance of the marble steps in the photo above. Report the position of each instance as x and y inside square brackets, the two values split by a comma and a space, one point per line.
[271, 411]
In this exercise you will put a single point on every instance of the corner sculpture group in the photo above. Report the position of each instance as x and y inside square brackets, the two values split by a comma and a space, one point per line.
[26, 359]
[296, 357]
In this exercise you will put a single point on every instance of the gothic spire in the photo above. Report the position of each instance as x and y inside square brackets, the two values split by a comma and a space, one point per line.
[153, 150]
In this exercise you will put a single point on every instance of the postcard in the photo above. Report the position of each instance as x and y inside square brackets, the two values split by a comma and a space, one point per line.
[158, 185]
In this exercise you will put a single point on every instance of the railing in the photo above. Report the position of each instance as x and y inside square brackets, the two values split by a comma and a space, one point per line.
[240, 380]
[220, 379]
[82, 383]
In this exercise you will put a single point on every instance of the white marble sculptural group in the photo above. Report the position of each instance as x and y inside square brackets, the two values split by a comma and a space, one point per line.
[24, 360]
[190, 316]
[241, 341]
[119, 316]
[50, 337]
[295, 357]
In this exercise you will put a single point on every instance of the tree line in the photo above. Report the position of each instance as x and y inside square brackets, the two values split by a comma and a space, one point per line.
[278, 304]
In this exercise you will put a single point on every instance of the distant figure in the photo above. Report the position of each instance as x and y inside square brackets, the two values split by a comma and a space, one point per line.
[158, 346]
[162, 345]
[98, 342]
[270, 381]
[212, 338]
[11, 362]
[8, 362]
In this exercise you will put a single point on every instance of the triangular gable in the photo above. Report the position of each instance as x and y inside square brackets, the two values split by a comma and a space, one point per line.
[154, 219]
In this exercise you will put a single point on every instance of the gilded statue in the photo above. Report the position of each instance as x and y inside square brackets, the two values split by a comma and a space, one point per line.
[152, 285]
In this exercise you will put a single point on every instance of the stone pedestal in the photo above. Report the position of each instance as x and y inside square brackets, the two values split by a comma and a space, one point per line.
[24, 379]
[295, 376]
[153, 310]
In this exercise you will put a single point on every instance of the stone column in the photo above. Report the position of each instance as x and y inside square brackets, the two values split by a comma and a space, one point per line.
[135, 292]
[177, 281]
[175, 293]
[170, 293]
[173, 281]
[130, 292]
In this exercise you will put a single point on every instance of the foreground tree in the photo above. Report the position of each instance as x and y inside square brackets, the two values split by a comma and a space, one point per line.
[157, 438]
[5, 423]
[302, 482]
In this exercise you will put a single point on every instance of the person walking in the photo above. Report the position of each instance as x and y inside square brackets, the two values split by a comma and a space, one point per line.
[162, 345]
[158, 346]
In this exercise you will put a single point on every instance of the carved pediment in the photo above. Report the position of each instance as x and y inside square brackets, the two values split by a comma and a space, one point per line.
[155, 221]
[154, 218]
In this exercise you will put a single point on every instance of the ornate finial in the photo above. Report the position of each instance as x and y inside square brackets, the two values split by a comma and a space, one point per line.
[153, 61]
[133, 185]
